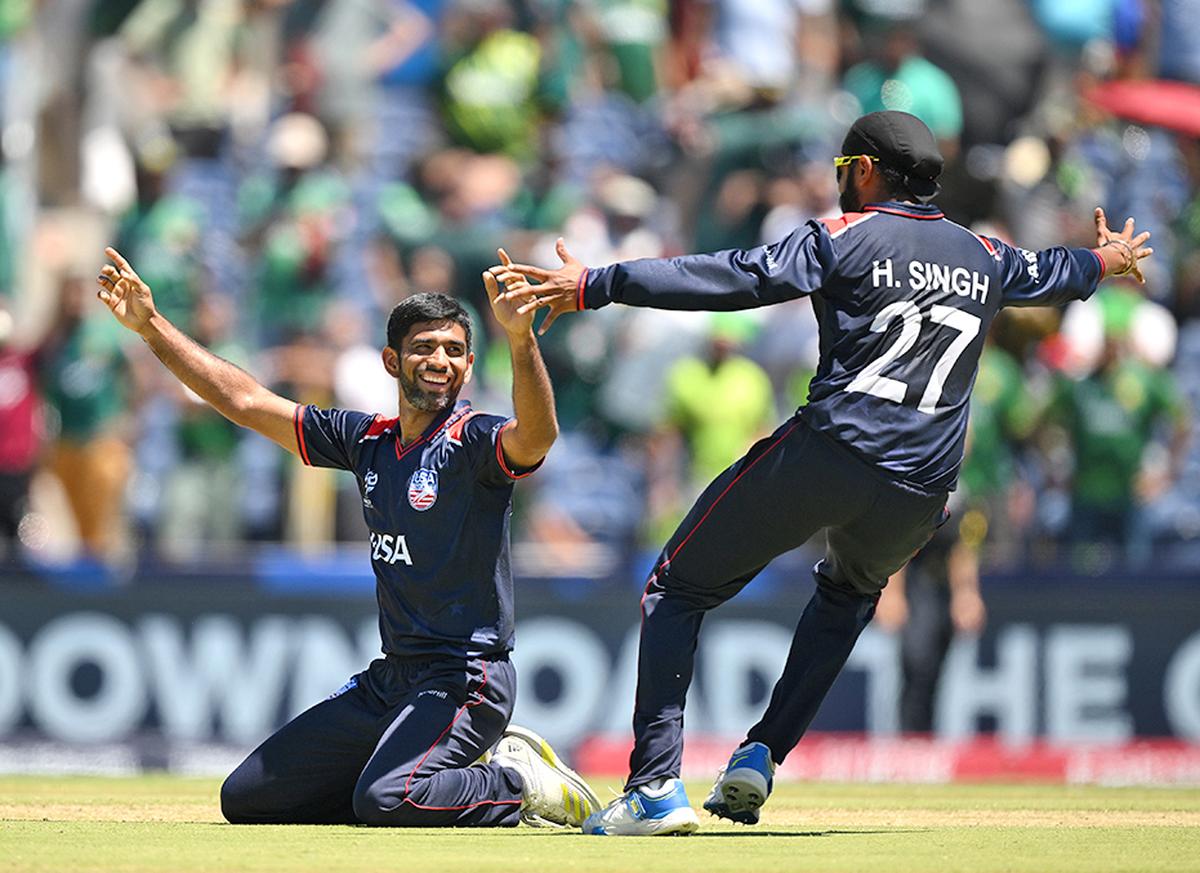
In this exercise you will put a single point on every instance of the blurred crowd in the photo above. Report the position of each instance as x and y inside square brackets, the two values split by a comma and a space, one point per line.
[282, 172]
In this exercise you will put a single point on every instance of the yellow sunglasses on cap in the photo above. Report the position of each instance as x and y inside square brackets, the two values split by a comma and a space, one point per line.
[843, 160]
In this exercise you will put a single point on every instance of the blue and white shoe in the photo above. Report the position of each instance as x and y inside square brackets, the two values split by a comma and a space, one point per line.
[646, 812]
[743, 785]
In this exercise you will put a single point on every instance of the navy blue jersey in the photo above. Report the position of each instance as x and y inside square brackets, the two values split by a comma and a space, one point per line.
[438, 512]
[904, 299]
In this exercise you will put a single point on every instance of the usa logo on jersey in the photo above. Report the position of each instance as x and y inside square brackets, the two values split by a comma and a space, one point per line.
[423, 489]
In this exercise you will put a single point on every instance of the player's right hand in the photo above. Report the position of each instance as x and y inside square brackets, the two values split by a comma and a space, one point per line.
[557, 289]
[124, 293]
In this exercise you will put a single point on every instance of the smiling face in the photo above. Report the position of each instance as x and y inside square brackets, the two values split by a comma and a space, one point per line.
[432, 364]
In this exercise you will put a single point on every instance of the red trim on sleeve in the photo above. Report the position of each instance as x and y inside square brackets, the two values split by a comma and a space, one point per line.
[579, 286]
[298, 424]
[378, 427]
[987, 243]
[500, 454]
[1099, 260]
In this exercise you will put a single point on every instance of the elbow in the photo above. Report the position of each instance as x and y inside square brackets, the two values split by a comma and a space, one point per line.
[540, 447]
[240, 407]
[529, 448]
[551, 434]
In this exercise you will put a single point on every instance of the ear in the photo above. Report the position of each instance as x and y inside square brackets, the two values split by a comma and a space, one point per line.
[391, 362]
[470, 367]
[865, 167]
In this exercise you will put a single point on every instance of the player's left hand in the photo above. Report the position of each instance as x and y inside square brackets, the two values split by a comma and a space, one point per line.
[1132, 248]
[504, 287]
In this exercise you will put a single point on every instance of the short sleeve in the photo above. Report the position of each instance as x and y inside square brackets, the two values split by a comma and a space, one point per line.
[329, 437]
[481, 437]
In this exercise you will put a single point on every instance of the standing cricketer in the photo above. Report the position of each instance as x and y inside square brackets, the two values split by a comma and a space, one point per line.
[904, 299]
[400, 744]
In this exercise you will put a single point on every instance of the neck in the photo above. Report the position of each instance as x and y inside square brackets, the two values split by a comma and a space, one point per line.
[414, 422]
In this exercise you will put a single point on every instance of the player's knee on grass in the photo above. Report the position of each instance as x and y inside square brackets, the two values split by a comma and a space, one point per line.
[379, 802]
[237, 799]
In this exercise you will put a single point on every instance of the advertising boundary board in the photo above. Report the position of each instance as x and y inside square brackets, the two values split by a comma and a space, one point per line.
[189, 678]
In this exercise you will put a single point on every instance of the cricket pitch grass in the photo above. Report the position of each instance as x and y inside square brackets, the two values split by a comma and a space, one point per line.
[164, 823]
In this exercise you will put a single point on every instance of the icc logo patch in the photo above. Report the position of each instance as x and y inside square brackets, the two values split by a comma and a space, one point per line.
[423, 489]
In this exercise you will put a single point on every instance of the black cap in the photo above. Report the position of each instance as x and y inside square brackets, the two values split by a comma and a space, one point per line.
[902, 142]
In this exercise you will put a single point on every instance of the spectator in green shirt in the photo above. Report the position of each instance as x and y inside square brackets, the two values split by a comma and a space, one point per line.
[722, 402]
[85, 378]
[1112, 416]
[201, 492]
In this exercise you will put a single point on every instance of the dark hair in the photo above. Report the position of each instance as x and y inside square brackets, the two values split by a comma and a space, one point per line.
[896, 183]
[425, 307]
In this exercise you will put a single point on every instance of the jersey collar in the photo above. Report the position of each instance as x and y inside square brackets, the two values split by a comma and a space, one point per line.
[922, 211]
[436, 426]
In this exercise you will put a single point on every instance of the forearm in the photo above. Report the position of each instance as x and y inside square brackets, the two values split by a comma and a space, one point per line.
[226, 387]
[528, 440]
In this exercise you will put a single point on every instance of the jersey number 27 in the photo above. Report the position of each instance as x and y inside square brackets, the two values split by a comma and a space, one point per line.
[871, 380]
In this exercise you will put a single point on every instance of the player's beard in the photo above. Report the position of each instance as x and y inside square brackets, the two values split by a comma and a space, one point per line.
[849, 200]
[426, 401]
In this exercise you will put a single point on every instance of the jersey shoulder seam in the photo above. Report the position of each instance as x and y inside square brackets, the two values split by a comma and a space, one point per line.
[841, 224]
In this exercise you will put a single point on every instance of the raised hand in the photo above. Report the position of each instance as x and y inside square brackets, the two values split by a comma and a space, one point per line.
[557, 289]
[506, 301]
[124, 293]
[1132, 248]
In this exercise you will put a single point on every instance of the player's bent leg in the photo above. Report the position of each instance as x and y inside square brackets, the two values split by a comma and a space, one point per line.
[825, 635]
[786, 487]
[859, 559]
[426, 772]
[305, 773]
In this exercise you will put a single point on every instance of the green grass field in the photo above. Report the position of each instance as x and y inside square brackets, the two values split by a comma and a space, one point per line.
[161, 823]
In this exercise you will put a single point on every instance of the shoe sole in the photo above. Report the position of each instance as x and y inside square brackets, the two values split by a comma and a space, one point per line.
[743, 792]
[676, 823]
[550, 757]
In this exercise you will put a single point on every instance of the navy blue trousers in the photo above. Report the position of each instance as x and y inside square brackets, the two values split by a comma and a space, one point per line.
[787, 488]
[396, 746]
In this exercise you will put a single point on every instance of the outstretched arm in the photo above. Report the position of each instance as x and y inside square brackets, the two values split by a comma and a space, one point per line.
[721, 281]
[1058, 275]
[227, 388]
[526, 440]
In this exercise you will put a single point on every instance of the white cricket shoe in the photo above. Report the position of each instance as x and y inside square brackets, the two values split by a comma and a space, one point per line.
[644, 812]
[555, 795]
